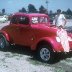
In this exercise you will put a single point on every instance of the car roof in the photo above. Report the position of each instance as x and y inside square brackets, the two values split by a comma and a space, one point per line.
[30, 14]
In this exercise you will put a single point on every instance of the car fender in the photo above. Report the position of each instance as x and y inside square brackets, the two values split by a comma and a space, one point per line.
[5, 34]
[49, 40]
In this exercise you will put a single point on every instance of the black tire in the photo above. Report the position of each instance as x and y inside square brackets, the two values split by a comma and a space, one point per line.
[45, 53]
[4, 44]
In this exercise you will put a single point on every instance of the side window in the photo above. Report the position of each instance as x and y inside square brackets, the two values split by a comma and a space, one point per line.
[34, 20]
[46, 20]
[43, 20]
[14, 20]
[23, 20]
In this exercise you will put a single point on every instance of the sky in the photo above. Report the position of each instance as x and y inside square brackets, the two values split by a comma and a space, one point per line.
[12, 6]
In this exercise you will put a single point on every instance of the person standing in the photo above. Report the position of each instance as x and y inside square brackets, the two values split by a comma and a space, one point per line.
[60, 20]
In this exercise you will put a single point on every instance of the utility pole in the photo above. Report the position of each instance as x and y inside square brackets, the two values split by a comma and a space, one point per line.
[47, 5]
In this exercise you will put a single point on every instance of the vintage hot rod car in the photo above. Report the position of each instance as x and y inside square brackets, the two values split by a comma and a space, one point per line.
[34, 30]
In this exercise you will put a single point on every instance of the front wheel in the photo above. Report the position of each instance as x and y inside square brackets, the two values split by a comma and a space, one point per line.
[3, 42]
[45, 53]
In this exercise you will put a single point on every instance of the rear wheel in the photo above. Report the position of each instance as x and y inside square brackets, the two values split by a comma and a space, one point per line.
[3, 42]
[45, 53]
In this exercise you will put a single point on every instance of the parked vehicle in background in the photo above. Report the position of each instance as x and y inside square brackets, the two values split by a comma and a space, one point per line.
[34, 31]
[3, 18]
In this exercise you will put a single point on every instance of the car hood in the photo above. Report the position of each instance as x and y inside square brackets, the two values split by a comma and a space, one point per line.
[46, 29]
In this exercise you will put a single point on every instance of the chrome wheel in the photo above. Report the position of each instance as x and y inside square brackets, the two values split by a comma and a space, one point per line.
[45, 54]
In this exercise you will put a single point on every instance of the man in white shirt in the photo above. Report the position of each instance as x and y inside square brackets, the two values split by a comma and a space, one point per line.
[60, 22]
[60, 19]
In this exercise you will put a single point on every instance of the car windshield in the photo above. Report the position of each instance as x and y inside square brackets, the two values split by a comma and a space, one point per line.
[40, 20]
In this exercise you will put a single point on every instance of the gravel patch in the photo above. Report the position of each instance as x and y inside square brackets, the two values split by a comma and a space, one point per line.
[13, 62]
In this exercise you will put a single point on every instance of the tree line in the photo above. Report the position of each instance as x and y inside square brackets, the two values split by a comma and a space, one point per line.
[42, 9]
[32, 9]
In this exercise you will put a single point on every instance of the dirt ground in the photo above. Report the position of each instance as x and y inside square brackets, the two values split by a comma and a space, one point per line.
[20, 60]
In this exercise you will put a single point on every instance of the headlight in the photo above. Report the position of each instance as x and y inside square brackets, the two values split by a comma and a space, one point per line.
[58, 39]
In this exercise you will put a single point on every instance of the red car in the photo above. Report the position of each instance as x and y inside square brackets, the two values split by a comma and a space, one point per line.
[34, 31]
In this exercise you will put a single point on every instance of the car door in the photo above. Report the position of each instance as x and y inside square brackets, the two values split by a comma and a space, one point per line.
[13, 30]
[20, 30]
[25, 31]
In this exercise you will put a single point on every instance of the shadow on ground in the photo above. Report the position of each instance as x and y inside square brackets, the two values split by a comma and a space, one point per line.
[26, 51]
[19, 50]
[58, 57]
